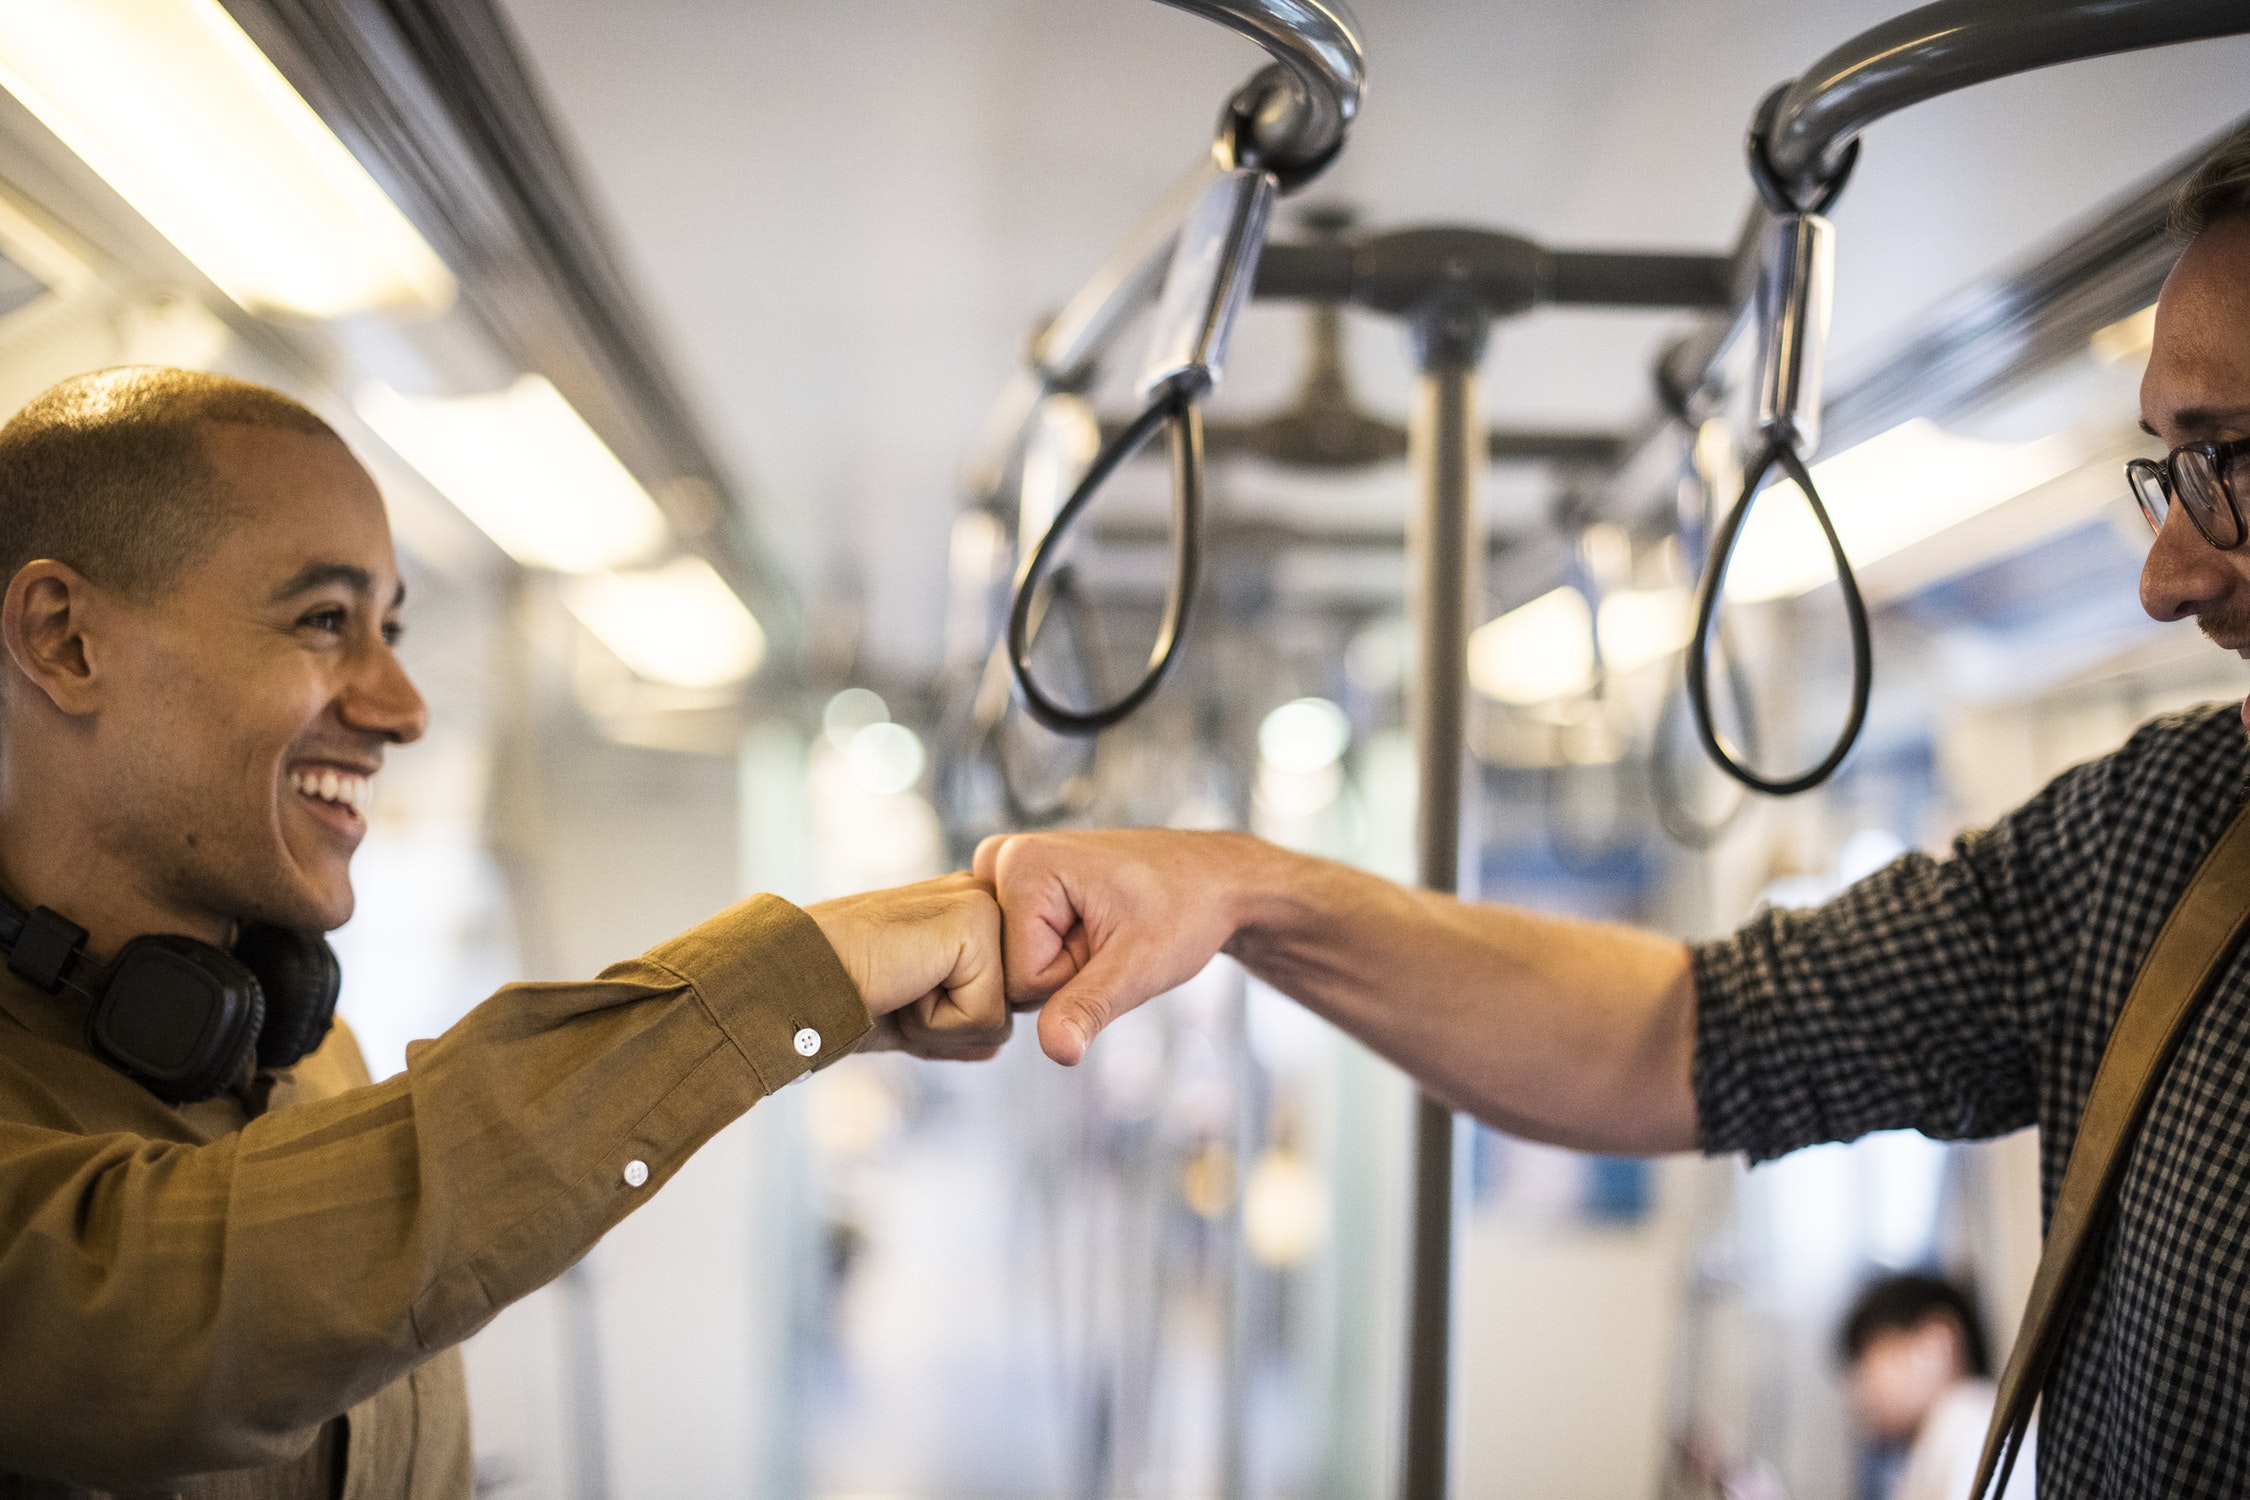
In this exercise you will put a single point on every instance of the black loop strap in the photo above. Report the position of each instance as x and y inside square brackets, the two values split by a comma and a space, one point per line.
[1173, 409]
[1777, 452]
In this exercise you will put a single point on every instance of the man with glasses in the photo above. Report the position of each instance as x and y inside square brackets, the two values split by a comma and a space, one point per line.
[1966, 996]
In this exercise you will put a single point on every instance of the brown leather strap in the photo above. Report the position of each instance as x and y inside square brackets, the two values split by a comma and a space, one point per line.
[2191, 948]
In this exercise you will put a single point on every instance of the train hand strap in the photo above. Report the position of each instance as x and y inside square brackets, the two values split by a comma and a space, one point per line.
[1780, 453]
[2191, 949]
[1171, 407]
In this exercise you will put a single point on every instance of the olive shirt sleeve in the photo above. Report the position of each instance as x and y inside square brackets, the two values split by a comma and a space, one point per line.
[170, 1308]
[1916, 999]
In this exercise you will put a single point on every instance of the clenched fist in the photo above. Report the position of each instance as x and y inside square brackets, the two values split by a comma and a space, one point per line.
[926, 958]
[1098, 922]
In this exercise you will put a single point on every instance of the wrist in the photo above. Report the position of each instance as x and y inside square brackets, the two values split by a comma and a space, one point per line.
[1252, 889]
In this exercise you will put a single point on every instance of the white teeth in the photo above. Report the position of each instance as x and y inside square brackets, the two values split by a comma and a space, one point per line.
[334, 786]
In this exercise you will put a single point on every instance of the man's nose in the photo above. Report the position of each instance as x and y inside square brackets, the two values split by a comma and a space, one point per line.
[2184, 574]
[383, 700]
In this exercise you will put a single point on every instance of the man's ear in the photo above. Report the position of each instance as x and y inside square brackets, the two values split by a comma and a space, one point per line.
[43, 620]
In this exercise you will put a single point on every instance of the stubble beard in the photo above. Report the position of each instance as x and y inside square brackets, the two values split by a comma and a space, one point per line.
[2227, 626]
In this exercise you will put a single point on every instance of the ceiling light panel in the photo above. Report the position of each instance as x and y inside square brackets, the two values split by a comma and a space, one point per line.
[1543, 652]
[525, 467]
[1885, 495]
[177, 109]
[678, 624]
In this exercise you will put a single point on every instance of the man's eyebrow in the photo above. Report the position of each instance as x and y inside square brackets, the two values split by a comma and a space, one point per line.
[2209, 419]
[320, 575]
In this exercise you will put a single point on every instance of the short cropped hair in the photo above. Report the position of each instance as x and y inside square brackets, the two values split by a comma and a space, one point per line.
[2220, 188]
[1901, 1303]
[109, 472]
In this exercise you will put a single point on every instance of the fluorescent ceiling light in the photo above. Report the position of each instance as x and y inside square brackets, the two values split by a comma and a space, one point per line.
[181, 113]
[1537, 652]
[1884, 495]
[525, 467]
[1544, 651]
[678, 624]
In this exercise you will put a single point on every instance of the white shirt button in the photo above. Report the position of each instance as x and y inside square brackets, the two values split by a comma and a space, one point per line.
[636, 1172]
[808, 1042]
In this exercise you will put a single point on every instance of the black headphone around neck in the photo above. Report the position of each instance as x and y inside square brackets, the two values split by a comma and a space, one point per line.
[180, 1016]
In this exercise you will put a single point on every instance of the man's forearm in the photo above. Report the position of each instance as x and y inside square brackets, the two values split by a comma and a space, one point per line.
[1579, 1033]
[215, 1303]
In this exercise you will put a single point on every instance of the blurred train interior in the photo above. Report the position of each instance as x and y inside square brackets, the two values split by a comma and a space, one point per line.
[673, 333]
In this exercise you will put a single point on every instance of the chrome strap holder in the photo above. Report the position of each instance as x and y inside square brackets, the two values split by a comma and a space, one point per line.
[1792, 302]
[1214, 261]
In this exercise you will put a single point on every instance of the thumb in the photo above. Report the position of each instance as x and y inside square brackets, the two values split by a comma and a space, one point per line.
[1097, 995]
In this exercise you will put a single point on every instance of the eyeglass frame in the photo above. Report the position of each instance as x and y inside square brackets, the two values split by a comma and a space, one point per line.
[2165, 471]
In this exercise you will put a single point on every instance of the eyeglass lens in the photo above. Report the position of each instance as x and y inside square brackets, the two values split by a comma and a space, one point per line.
[2149, 491]
[2202, 490]
[2197, 480]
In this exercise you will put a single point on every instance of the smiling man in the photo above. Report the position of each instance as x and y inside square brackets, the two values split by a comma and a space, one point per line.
[1966, 996]
[229, 1265]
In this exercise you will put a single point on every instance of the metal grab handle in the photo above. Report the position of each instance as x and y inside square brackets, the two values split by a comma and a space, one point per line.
[1937, 49]
[1792, 301]
[1777, 453]
[1064, 353]
[1172, 409]
[1317, 44]
[1805, 131]
[1214, 261]
[1802, 144]
[1277, 132]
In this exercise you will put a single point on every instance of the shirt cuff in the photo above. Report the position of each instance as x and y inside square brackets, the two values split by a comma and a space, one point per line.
[774, 985]
[1735, 993]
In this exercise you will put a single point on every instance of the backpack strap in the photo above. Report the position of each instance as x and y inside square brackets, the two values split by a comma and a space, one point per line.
[2191, 948]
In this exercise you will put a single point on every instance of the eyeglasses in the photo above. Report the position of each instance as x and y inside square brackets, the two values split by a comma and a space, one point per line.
[2201, 476]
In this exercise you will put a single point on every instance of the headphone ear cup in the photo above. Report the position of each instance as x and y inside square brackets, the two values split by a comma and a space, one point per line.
[301, 978]
[178, 1015]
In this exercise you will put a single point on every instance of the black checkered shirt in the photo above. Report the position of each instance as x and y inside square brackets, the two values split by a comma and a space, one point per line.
[1972, 996]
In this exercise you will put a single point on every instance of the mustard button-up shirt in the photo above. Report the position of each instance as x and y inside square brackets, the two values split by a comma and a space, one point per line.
[258, 1297]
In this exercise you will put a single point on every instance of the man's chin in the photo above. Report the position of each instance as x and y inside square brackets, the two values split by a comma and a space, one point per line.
[302, 910]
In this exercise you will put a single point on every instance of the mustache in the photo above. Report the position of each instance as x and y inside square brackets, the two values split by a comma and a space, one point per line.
[2226, 625]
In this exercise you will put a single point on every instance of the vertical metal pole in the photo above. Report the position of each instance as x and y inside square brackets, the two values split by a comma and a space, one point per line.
[1447, 439]
[1244, 1290]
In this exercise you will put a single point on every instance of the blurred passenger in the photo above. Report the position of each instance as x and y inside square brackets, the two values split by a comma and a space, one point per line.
[1967, 996]
[1921, 1386]
[221, 1247]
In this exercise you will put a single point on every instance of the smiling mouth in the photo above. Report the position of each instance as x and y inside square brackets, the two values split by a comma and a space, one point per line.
[343, 789]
